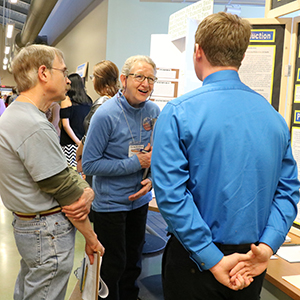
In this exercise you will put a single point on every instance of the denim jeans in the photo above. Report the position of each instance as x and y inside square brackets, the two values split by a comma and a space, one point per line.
[46, 245]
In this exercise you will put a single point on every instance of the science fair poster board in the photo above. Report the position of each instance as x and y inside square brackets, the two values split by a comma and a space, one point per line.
[295, 105]
[277, 8]
[82, 69]
[264, 66]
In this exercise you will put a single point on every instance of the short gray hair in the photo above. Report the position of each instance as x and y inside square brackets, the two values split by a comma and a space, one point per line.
[27, 62]
[131, 60]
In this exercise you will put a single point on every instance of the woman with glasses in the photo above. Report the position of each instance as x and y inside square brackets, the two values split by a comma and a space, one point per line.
[73, 110]
[116, 152]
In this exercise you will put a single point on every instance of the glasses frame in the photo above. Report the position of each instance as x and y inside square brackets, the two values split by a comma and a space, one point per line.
[153, 80]
[64, 71]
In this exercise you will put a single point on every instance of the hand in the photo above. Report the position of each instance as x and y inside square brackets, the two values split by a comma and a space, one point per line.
[79, 166]
[221, 271]
[147, 186]
[258, 263]
[80, 209]
[92, 247]
[79, 157]
[145, 158]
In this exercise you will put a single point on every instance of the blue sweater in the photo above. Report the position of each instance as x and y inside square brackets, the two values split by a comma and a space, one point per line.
[223, 169]
[105, 153]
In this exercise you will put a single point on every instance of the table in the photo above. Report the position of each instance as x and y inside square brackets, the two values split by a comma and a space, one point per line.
[279, 267]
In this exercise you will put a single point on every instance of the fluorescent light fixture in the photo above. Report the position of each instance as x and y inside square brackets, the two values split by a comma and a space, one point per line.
[7, 49]
[233, 9]
[5, 61]
[9, 31]
[4, 67]
[13, 1]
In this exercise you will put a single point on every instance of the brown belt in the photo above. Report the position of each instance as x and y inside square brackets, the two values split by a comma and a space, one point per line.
[41, 214]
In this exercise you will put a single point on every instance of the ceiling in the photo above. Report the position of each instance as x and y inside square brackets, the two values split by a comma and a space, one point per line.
[17, 13]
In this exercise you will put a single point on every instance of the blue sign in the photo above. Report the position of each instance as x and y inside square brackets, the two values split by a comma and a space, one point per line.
[262, 35]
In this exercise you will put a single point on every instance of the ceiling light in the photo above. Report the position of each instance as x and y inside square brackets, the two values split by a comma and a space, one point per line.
[233, 9]
[9, 30]
[13, 1]
[5, 60]
[7, 49]
[4, 67]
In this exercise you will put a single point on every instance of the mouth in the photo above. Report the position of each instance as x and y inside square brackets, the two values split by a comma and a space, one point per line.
[143, 92]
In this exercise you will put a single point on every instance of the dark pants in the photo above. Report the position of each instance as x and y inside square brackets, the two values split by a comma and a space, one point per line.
[123, 235]
[183, 280]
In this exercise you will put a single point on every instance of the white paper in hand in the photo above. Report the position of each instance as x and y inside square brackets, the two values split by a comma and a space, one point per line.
[92, 279]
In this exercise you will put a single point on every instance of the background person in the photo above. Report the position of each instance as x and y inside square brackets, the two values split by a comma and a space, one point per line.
[2, 106]
[223, 173]
[73, 110]
[112, 155]
[52, 115]
[106, 83]
[36, 183]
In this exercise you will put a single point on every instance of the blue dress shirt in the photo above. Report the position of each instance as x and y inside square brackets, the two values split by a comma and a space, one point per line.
[223, 169]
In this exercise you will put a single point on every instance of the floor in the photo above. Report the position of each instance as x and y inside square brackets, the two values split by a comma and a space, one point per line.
[149, 281]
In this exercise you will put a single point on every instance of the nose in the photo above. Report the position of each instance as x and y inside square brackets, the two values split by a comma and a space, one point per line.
[68, 81]
[145, 82]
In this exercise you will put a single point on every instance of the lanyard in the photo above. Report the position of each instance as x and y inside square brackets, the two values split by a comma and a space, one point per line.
[128, 123]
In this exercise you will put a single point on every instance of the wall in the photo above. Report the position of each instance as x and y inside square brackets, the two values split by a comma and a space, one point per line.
[86, 42]
[130, 25]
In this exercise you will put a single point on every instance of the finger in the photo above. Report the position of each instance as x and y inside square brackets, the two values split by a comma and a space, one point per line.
[240, 283]
[134, 196]
[148, 147]
[255, 250]
[91, 258]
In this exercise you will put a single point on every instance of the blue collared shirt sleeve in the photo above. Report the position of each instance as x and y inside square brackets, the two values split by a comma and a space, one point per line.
[284, 207]
[170, 175]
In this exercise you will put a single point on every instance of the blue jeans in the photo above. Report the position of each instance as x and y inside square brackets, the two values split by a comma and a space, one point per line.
[46, 245]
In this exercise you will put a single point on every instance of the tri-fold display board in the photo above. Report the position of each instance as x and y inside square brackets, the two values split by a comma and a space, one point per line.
[277, 8]
[265, 64]
[272, 68]
[294, 89]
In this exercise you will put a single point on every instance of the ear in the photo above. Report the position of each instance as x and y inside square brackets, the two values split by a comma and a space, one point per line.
[43, 73]
[198, 51]
[123, 80]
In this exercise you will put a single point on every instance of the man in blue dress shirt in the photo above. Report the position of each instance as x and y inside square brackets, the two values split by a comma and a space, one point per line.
[224, 175]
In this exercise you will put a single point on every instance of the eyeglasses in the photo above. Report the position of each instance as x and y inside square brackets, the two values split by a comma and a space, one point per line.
[141, 78]
[65, 71]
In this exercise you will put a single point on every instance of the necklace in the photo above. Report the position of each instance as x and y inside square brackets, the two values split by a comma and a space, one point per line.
[29, 100]
[128, 122]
